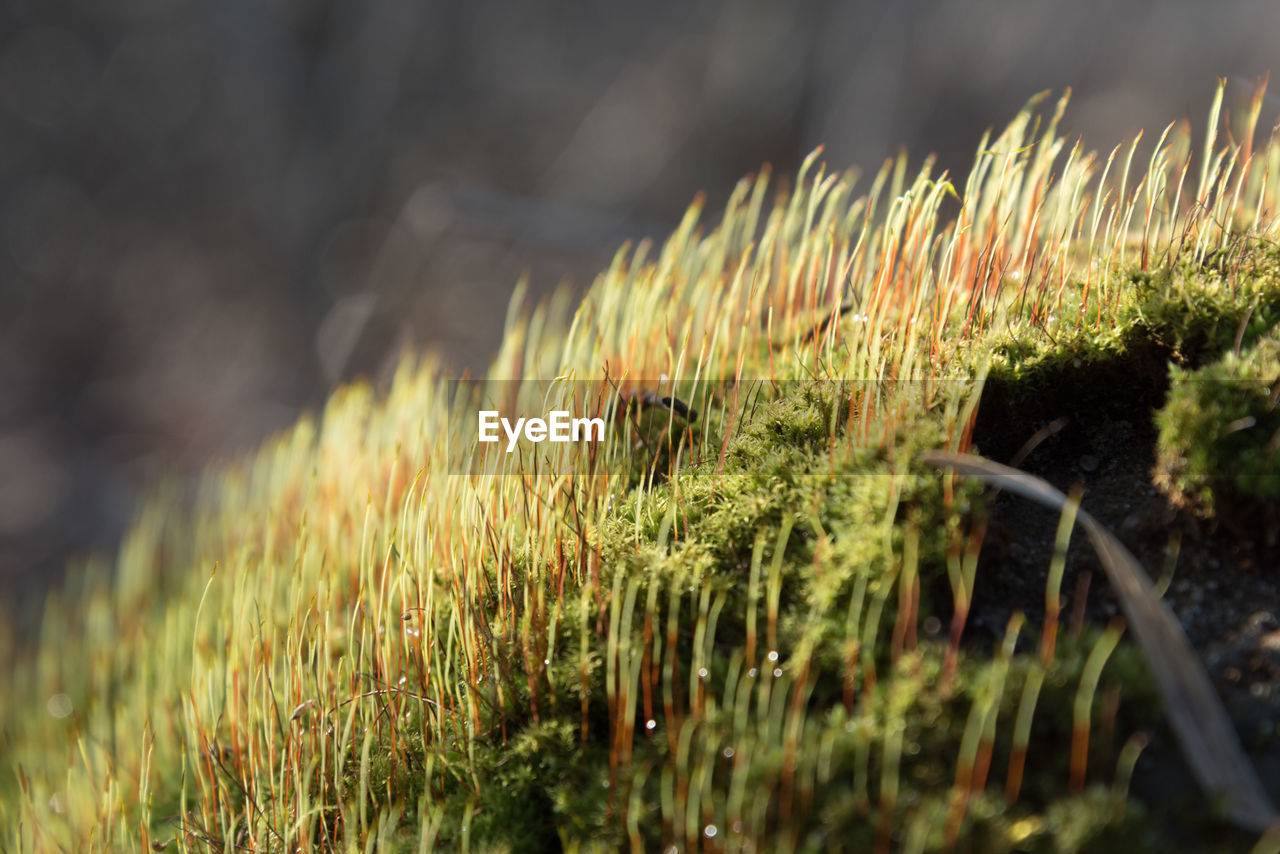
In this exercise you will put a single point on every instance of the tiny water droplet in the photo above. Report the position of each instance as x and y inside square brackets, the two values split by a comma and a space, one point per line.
[728, 753]
[752, 673]
[773, 655]
[709, 831]
[59, 705]
[702, 673]
[650, 724]
[777, 671]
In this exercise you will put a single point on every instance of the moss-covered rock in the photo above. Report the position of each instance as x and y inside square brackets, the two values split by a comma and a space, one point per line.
[766, 627]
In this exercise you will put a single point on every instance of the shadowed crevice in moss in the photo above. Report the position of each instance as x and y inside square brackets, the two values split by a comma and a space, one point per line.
[1093, 413]
[1091, 408]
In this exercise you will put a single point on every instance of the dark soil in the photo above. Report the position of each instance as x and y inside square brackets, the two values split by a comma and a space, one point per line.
[1225, 588]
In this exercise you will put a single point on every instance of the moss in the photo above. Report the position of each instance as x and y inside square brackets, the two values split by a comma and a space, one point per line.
[1220, 431]
[758, 626]
[842, 530]
[1200, 311]
[828, 561]
[1188, 312]
[1194, 341]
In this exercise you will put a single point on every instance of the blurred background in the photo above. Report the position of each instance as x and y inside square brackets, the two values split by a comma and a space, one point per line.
[211, 211]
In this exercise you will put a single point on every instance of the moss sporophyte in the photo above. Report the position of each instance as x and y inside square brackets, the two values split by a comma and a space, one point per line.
[771, 605]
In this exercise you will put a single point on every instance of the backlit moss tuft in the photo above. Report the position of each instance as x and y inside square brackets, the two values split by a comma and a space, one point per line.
[745, 631]
[1220, 430]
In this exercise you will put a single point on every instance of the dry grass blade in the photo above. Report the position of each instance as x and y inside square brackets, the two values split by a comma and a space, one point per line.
[1199, 720]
